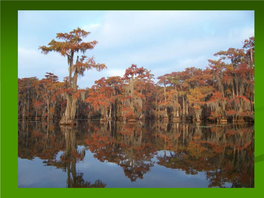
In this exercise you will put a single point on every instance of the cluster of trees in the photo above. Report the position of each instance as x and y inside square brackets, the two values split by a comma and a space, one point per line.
[222, 92]
[225, 153]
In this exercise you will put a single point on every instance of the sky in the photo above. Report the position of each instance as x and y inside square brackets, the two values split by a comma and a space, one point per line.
[160, 41]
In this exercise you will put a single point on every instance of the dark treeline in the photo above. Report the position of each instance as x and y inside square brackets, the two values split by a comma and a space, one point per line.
[222, 92]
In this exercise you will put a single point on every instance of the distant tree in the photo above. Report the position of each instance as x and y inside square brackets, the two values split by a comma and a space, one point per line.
[135, 92]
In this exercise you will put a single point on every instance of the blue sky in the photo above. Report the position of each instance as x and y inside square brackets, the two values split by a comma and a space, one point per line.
[161, 41]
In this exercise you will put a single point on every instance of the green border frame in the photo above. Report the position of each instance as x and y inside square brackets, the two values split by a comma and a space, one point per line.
[8, 83]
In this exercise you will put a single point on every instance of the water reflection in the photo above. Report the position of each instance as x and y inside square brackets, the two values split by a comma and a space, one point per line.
[225, 154]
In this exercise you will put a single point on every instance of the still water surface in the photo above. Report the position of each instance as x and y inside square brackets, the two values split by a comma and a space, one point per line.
[139, 155]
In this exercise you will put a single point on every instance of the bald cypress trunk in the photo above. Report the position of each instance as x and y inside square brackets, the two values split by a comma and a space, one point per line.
[68, 117]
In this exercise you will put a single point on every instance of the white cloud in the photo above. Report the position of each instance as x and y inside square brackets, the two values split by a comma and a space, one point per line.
[32, 63]
[174, 50]
[91, 27]
[23, 52]
[116, 72]
[199, 62]
[240, 34]
[120, 28]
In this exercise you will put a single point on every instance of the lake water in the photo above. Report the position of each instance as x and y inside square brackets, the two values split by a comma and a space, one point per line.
[138, 155]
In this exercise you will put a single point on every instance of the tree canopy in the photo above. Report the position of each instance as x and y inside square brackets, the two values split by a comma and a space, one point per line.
[222, 92]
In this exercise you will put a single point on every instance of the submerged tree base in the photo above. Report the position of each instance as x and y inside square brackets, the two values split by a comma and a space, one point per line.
[65, 121]
[103, 120]
[223, 121]
[176, 119]
[132, 120]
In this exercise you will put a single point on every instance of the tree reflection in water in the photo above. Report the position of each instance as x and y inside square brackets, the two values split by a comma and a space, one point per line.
[224, 153]
[70, 157]
[46, 143]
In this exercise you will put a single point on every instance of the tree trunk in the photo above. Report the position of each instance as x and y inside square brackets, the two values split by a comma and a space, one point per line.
[69, 115]
[48, 109]
[187, 109]
[110, 113]
[165, 93]
[183, 107]
[28, 105]
[24, 112]
[131, 90]
[36, 118]
[251, 58]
